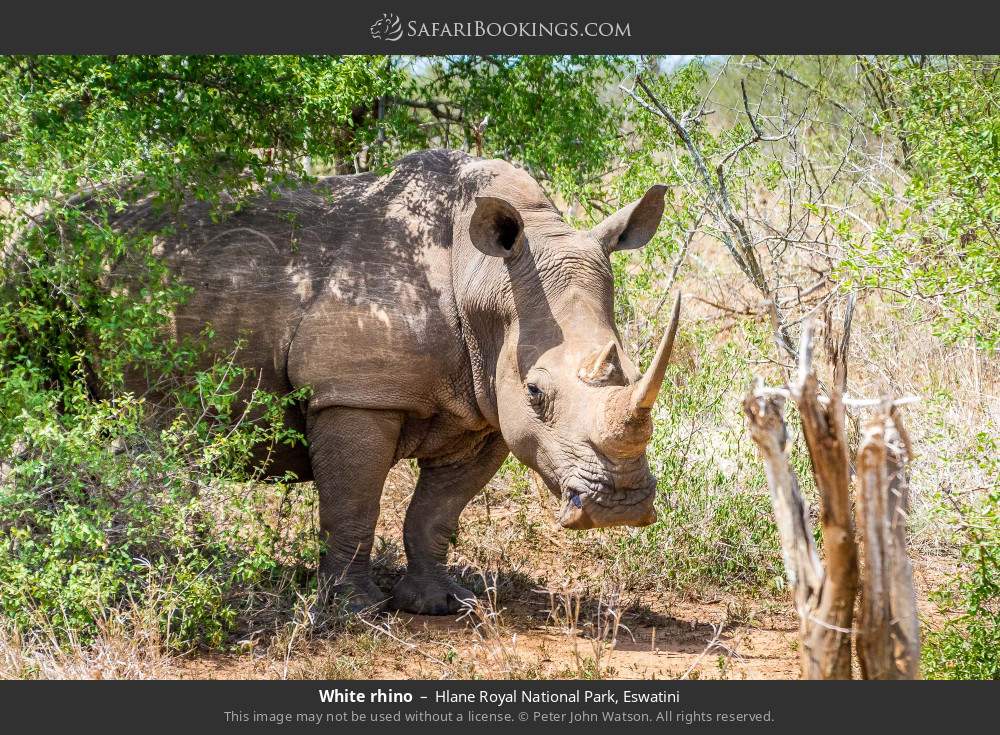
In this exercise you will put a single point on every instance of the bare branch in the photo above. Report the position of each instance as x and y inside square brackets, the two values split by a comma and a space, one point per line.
[805, 85]
[440, 110]
[780, 332]
[840, 353]
[715, 189]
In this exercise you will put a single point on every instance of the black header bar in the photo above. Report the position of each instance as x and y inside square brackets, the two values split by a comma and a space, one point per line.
[510, 26]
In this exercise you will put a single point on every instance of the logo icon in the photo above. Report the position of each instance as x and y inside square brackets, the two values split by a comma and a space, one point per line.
[387, 28]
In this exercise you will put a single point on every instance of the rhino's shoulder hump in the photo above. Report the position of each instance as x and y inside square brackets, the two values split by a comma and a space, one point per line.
[497, 177]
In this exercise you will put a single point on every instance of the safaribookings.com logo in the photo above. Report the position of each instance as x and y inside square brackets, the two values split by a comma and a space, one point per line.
[387, 28]
[390, 28]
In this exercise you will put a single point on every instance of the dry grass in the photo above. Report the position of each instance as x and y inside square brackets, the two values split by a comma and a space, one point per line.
[128, 645]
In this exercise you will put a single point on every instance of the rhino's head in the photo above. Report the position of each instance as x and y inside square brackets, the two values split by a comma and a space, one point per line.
[569, 402]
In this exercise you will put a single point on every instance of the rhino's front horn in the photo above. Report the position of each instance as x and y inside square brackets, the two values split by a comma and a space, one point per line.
[644, 392]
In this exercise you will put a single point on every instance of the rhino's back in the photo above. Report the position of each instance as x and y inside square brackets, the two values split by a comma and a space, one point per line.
[382, 330]
[343, 285]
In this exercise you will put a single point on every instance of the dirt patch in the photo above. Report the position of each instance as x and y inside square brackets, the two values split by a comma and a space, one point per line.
[547, 610]
[685, 643]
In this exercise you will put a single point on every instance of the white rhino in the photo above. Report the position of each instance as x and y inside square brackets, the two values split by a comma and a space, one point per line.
[443, 312]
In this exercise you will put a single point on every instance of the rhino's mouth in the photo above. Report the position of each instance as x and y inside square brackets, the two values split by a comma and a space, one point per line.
[600, 504]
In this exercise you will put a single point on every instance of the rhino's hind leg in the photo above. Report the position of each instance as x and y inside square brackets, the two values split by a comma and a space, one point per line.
[441, 494]
[351, 452]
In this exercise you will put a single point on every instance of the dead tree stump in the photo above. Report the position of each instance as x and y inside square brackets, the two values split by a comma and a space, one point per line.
[887, 628]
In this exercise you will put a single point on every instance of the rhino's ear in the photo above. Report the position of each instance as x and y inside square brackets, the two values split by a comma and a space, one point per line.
[496, 227]
[632, 226]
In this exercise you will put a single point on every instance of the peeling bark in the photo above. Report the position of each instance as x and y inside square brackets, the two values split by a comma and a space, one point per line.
[802, 565]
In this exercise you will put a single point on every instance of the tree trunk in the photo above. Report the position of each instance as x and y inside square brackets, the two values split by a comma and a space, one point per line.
[888, 633]
[888, 629]
[828, 645]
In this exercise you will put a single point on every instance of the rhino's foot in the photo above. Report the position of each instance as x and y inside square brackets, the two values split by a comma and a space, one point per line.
[430, 594]
[357, 596]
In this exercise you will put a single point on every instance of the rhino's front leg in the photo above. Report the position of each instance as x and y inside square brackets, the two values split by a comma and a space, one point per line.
[351, 452]
[441, 494]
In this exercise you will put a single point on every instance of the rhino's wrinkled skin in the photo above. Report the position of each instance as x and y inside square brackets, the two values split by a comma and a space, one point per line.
[444, 312]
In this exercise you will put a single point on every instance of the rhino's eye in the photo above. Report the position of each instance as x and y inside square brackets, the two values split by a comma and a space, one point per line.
[535, 394]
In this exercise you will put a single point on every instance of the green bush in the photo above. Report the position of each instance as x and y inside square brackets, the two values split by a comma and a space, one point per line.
[103, 508]
[937, 243]
[108, 499]
[967, 644]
